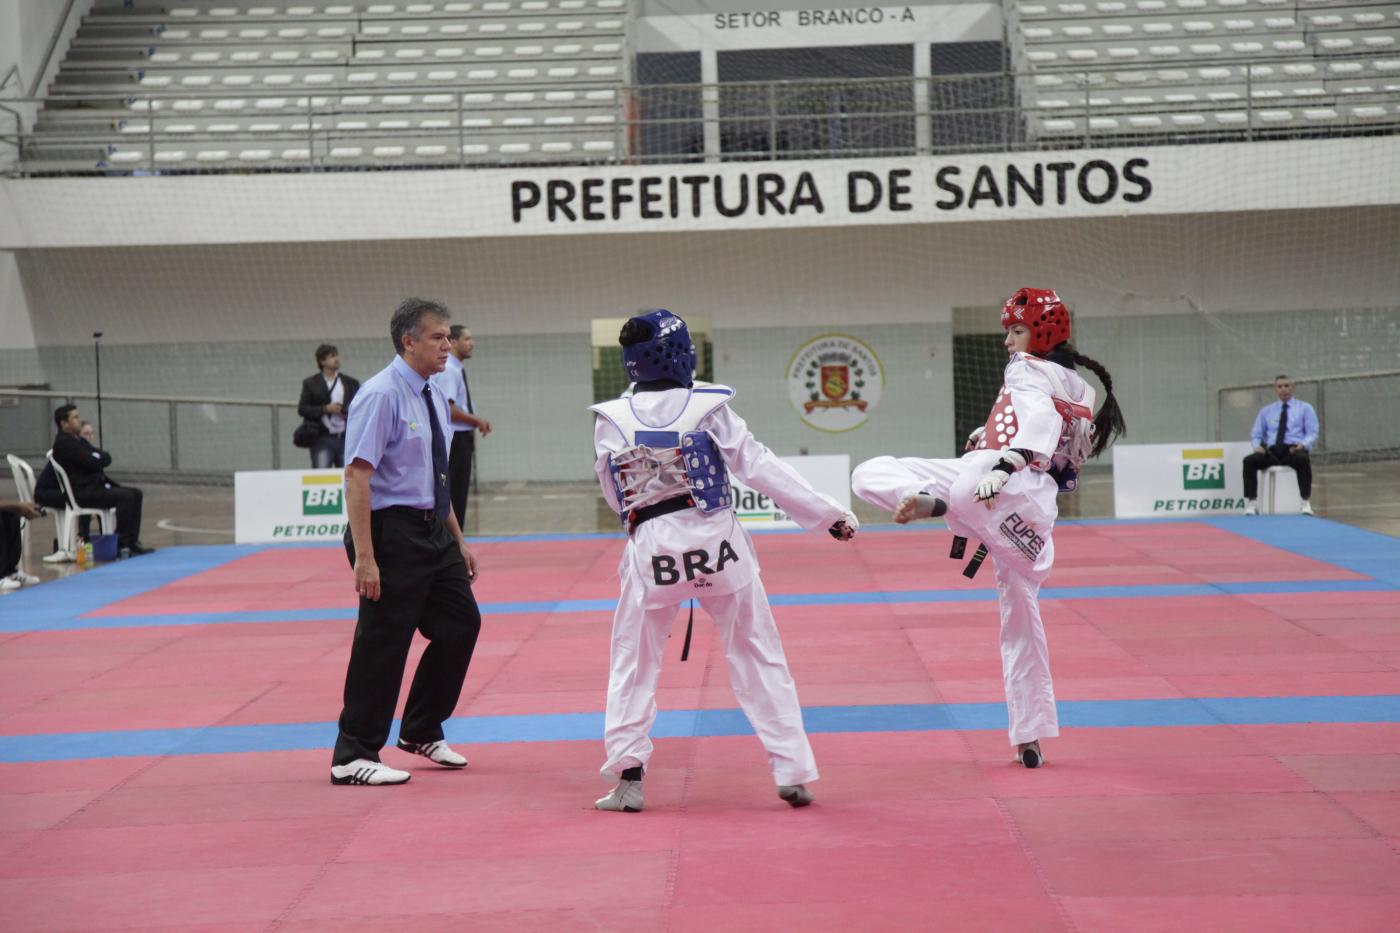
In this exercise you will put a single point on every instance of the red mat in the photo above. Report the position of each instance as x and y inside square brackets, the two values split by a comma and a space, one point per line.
[1257, 827]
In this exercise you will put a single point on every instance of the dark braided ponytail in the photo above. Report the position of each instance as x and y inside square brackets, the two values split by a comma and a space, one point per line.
[1108, 423]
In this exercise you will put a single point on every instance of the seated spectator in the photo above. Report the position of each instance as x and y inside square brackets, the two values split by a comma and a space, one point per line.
[325, 398]
[92, 487]
[1284, 433]
[49, 494]
[12, 575]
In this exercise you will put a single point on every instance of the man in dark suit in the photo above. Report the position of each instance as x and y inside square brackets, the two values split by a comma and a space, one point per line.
[84, 465]
[325, 398]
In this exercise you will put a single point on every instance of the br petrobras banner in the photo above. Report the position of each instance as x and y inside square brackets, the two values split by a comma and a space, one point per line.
[828, 474]
[1178, 479]
[531, 201]
[288, 505]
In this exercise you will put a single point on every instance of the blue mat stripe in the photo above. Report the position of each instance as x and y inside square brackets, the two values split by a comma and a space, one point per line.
[557, 727]
[68, 604]
[34, 621]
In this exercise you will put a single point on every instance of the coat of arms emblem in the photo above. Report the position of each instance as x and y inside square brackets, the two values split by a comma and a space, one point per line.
[834, 382]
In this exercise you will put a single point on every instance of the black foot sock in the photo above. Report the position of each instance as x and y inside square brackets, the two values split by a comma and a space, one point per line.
[632, 774]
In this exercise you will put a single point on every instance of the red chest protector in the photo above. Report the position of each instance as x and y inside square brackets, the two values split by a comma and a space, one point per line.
[999, 432]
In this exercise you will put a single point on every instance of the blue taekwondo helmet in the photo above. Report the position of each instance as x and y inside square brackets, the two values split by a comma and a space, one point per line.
[667, 354]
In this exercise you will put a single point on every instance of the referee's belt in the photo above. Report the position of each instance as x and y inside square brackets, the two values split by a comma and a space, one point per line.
[426, 515]
[665, 507]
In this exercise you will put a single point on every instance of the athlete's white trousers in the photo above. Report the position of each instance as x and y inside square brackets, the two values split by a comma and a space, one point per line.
[758, 673]
[1025, 655]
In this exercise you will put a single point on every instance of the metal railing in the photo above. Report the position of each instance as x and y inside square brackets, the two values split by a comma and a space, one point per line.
[985, 111]
[161, 436]
[1353, 418]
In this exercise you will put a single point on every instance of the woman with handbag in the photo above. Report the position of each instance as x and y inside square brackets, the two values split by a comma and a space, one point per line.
[325, 398]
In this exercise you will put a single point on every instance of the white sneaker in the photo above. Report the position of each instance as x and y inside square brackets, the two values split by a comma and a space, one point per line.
[25, 579]
[796, 795]
[1307, 508]
[10, 583]
[626, 797]
[58, 557]
[364, 771]
[1251, 507]
[438, 752]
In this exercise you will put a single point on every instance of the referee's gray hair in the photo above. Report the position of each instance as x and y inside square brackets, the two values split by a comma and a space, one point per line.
[408, 319]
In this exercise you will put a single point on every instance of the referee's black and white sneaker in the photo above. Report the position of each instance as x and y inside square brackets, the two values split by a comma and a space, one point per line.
[439, 753]
[364, 771]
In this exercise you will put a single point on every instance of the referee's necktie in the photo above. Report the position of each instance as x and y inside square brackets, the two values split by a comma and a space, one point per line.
[1282, 425]
[442, 500]
[468, 386]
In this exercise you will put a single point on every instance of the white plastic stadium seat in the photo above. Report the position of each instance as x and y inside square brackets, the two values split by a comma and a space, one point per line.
[68, 517]
[24, 490]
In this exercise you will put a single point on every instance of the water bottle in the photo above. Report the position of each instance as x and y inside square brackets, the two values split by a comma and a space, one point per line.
[87, 551]
[82, 554]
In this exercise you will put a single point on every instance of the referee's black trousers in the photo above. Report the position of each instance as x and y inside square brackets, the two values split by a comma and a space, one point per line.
[1278, 455]
[423, 587]
[459, 472]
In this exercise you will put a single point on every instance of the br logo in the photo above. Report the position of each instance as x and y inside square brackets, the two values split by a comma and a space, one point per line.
[321, 495]
[1203, 469]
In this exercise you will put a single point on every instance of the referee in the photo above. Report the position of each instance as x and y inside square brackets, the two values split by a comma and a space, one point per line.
[466, 423]
[412, 568]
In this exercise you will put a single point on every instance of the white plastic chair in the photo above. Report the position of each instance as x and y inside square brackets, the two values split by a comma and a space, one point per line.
[68, 520]
[1278, 492]
[24, 489]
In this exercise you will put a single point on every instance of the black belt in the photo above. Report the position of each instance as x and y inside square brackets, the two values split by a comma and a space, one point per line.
[959, 544]
[665, 507]
[427, 515]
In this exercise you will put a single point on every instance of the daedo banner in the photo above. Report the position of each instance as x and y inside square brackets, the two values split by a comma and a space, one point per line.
[531, 201]
[830, 474]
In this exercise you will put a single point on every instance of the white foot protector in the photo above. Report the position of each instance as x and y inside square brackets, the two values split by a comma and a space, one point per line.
[626, 797]
[921, 505]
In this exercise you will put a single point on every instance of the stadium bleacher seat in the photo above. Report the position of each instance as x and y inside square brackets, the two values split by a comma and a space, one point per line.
[1203, 58]
[144, 82]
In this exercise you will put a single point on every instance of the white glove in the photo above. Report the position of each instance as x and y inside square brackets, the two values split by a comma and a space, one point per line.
[846, 528]
[990, 486]
[974, 437]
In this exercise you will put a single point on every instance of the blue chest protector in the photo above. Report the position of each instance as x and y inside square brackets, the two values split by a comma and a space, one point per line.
[664, 461]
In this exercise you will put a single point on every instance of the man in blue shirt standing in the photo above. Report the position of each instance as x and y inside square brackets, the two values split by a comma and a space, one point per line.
[466, 423]
[1284, 434]
[413, 571]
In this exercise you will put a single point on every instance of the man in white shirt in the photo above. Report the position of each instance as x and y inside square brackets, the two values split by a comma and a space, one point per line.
[466, 423]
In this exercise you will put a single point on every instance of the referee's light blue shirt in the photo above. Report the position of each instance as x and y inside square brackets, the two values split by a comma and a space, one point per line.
[388, 428]
[1301, 427]
[452, 384]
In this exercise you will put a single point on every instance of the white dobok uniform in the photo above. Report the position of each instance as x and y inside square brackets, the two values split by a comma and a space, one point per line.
[686, 553]
[1037, 410]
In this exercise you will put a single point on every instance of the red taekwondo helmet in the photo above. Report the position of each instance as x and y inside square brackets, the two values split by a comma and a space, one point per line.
[1043, 312]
